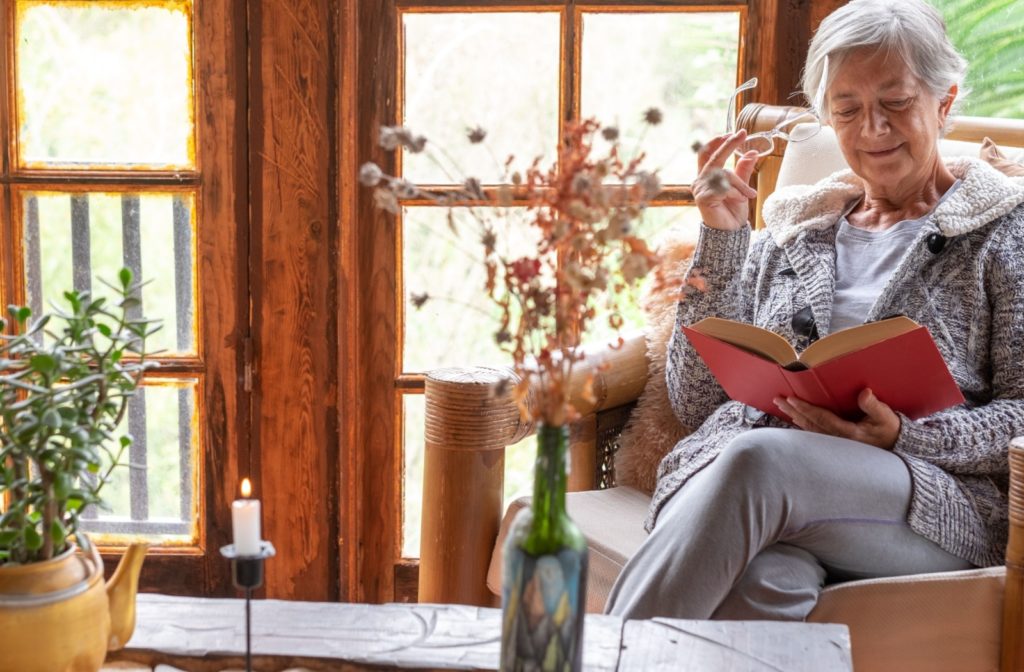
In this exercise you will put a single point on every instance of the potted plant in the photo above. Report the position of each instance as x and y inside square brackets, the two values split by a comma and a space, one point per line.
[65, 382]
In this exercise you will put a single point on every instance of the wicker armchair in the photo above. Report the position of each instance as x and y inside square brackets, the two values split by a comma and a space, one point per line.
[972, 620]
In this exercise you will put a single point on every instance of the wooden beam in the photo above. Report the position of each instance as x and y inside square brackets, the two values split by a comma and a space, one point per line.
[778, 35]
[349, 305]
[223, 281]
[368, 314]
[583, 454]
[294, 291]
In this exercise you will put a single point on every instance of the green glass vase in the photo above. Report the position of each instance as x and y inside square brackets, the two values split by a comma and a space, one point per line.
[543, 592]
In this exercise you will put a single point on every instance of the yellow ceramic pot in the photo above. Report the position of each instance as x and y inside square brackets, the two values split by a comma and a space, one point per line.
[59, 616]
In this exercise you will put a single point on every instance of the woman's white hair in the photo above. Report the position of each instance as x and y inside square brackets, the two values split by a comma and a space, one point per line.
[911, 29]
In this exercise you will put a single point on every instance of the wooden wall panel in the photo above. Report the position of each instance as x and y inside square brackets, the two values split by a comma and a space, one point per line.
[371, 468]
[822, 8]
[293, 194]
[222, 267]
[6, 147]
[779, 34]
[777, 37]
[349, 302]
[7, 243]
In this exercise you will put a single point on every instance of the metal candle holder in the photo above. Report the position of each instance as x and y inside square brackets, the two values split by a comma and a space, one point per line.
[247, 574]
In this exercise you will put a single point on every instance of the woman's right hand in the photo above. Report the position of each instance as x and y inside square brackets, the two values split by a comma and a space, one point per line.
[723, 195]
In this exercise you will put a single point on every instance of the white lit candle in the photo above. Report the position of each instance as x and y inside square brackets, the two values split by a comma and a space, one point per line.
[245, 522]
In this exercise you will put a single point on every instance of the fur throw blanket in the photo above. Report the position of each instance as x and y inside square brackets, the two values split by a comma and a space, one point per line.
[653, 429]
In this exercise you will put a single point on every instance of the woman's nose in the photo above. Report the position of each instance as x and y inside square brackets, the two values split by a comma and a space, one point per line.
[875, 122]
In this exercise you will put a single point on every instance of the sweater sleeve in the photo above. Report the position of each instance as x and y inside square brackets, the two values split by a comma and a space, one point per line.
[719, 283]
[973, 441]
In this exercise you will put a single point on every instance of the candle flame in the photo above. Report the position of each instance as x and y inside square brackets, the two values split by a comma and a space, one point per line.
[246, 487]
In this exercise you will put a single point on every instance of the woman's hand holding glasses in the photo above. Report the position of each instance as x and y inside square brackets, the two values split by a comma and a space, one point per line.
[723, 195]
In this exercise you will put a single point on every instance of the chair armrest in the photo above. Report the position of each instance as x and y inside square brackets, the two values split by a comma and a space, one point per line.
[1013, 599]
[619, 375]
[469, 422]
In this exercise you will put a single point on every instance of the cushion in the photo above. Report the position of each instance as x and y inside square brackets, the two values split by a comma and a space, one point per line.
[994, 155]
[817, 157]
[612, 520]
[947, 622]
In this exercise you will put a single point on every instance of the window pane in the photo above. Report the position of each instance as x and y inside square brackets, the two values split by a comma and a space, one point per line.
[683, 63]
[71, 240]
[413, 419]
[988, 34]
[519, 460]
[153, 493]
[496, 70]
[457, 323]
[104, 83]
[657, 224]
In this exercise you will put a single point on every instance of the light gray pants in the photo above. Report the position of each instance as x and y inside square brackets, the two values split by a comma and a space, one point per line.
[754, 534]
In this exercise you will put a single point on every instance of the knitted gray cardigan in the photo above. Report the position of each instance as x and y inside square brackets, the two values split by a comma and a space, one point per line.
[970, 295]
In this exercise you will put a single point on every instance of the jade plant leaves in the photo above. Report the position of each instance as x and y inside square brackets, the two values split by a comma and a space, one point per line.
[65, 384]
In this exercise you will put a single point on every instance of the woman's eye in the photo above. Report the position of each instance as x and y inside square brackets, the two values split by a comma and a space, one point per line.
[898, 104]
[845, 114]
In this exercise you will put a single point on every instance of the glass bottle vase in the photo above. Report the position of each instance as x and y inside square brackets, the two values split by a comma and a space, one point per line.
[543, 592]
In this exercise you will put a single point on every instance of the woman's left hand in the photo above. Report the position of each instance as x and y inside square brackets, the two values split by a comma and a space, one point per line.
[880, 426]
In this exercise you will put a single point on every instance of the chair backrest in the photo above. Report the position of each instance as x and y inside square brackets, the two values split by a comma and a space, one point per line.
[808, 161]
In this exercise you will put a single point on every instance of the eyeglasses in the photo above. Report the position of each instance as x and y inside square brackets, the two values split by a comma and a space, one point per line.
[796, 128]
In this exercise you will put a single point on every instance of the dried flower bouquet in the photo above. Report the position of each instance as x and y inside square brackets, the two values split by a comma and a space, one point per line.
[583, 210]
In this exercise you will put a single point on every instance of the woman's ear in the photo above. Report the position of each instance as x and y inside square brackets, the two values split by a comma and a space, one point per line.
[946, 105]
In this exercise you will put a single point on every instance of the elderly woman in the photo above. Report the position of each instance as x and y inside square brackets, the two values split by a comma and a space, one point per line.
[751, 515]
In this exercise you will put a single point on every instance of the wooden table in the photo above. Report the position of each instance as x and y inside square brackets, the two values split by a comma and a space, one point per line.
[207, 635]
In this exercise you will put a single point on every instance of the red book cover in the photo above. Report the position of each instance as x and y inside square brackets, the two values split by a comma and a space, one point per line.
[904, 370]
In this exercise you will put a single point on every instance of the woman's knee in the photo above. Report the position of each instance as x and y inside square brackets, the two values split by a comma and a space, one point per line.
[761, 454]
[781, 583]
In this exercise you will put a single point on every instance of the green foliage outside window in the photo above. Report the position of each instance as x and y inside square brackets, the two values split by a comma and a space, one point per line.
[990, 34]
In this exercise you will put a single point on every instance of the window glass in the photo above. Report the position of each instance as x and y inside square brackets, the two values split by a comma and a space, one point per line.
[78, 240]
[501, 71]
[153, 493]
[104, 83]
[682, 63]
[990, 35]
[657, 225]
[498, 71]
[443, 274]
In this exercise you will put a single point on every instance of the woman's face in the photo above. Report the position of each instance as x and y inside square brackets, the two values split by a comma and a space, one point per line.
[887, 122]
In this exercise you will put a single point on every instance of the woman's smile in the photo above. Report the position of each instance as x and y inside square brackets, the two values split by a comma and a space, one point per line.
[883, 153]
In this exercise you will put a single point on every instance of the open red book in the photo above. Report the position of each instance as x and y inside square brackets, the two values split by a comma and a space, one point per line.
[896, 358]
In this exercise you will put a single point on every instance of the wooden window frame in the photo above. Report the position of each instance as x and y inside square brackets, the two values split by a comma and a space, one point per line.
[220, 267]
[772, 44]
